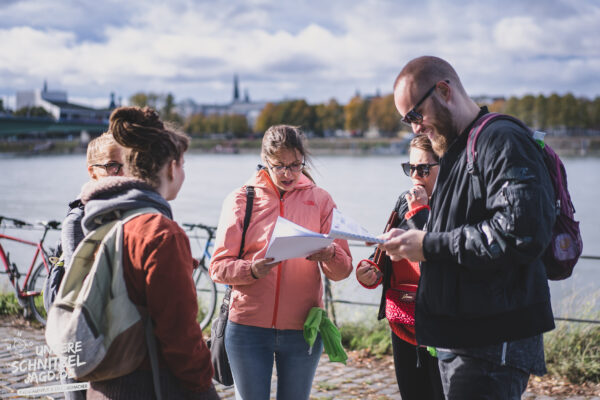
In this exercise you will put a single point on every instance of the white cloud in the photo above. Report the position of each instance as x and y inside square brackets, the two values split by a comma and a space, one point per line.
[315, 51]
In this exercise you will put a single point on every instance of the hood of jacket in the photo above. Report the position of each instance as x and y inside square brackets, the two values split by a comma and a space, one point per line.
[103, 197]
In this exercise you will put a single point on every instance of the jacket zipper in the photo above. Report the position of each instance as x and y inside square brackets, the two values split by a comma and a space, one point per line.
[276, 304]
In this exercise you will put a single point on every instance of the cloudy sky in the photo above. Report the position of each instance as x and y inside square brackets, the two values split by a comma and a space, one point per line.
[314, 49]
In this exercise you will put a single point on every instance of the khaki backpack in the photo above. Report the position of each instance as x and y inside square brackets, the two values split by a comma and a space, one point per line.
[92, 324]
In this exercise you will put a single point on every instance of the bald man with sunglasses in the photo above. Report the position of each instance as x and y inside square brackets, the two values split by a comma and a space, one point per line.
[483, 299]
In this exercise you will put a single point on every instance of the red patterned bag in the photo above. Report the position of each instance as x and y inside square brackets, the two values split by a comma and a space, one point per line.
[400, 304]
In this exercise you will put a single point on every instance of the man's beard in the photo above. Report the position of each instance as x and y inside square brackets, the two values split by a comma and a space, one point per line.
[444, 128]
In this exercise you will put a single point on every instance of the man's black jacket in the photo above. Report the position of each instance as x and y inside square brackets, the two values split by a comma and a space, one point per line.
[484, 281]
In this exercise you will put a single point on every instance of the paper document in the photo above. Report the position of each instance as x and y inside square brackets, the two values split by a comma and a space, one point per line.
[290, 240]
[342, 227]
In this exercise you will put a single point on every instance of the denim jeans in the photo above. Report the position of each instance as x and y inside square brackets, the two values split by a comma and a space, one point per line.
[467, 378]
[251, 351]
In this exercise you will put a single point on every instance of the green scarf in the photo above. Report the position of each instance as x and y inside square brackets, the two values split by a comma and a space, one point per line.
[316, 322]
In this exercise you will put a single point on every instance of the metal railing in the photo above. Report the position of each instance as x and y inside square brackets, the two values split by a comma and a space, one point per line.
[578, 320]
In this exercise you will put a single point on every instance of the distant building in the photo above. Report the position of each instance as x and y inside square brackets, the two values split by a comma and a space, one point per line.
[486, 99]
[250, 109]
[57, 104]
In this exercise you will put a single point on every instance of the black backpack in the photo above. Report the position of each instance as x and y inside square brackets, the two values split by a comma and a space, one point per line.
[57, 268]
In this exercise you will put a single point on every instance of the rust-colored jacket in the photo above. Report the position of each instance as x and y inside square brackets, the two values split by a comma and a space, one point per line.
[158, 272]
[283, 298]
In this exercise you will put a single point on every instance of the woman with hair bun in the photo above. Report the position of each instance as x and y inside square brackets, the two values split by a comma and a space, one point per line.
[157, 262]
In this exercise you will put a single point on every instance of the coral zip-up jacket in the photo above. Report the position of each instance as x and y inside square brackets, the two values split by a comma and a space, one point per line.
[283, 298]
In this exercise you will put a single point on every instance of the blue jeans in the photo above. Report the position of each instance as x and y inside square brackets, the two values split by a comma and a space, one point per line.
[251, 352]
[469, 378]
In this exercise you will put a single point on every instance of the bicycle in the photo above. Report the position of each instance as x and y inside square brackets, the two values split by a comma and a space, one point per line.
[206, 289]
[29, 293]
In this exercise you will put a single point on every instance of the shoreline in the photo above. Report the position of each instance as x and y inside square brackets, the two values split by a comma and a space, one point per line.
[580, 146]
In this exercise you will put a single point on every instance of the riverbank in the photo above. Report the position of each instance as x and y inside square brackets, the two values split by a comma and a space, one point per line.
[355, 146]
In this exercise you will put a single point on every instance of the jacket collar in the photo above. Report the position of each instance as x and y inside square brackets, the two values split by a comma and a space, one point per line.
[461, 141]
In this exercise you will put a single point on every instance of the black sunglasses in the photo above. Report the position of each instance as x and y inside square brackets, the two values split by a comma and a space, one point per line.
[112, 168]
[414, 117]
[422, 169]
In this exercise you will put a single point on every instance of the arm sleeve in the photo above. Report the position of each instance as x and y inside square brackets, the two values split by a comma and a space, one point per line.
[417, 217]
[517, 222]
[172, 304]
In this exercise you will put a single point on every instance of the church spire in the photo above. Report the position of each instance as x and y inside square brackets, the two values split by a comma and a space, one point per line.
[236, 89]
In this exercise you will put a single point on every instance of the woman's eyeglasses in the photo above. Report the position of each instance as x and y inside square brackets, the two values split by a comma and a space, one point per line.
[280, 169]
[422, 169]
[112, 168]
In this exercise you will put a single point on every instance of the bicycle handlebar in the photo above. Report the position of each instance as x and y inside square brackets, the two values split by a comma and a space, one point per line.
[210, 229]
[51, 224]
[17, 222]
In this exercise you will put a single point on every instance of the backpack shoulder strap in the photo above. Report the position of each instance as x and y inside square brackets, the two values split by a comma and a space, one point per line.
[249, 203]
[477, 128]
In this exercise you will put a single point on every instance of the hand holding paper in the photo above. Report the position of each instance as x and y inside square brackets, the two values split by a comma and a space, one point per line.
[290, 240]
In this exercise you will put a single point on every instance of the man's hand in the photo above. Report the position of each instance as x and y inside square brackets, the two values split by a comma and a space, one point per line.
[404, 244]
[367, 273]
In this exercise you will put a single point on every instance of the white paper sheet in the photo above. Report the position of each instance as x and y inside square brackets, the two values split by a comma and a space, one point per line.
[290, 240]
[343, 227]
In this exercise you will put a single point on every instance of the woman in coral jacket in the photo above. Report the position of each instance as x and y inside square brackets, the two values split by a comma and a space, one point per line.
[417, 372]
[270, 301]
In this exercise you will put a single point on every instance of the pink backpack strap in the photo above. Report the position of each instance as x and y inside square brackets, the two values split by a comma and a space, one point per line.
[472, 151]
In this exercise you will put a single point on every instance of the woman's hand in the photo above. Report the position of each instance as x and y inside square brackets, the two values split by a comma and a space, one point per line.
[262, 267]
[323, 255]
[367, 273]
[417, 196]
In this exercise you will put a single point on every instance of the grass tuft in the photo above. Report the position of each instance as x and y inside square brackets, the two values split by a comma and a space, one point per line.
[573, 351]
[375, 338]
[9, 304]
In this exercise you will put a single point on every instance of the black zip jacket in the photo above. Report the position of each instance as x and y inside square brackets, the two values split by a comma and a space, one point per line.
[484, 281]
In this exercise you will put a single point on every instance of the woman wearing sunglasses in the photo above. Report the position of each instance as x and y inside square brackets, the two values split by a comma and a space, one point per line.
[416, 370]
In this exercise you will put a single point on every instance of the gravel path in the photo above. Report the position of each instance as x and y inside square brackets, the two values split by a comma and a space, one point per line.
[361, 378]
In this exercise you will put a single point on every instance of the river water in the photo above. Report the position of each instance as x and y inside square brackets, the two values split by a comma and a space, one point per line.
[364, 188]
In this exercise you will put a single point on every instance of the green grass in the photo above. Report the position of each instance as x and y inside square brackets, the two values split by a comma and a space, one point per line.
[374, 337]
[9, 304]
[573, 351]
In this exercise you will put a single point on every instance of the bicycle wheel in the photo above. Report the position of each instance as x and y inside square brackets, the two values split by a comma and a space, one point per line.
[36, 284]
[206, 293]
